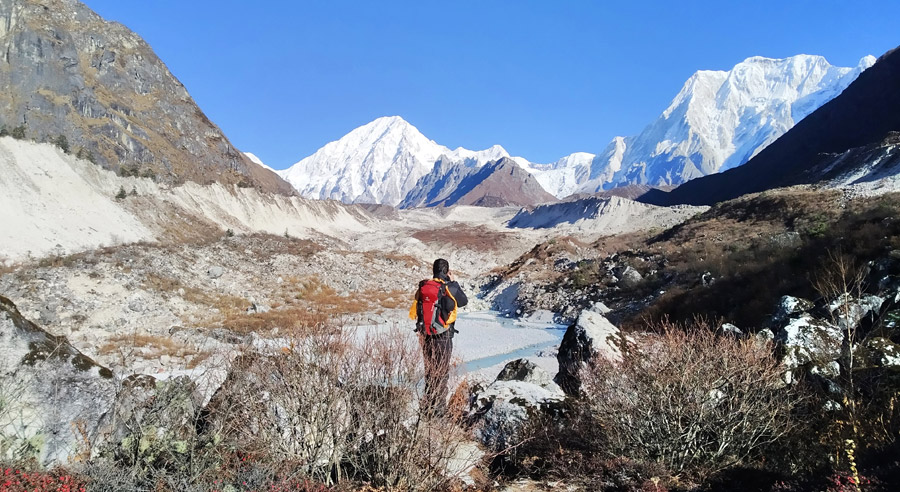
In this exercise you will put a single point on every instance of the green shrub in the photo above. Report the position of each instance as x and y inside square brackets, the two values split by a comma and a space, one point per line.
[85, 154]
[62, 142]
[18, 132]
[121, 194]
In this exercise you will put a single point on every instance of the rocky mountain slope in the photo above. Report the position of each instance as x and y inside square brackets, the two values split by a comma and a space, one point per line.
[67, 72]
[499, 183]
[52, 202]
[379, 162]
[612, 215]
[851, 139]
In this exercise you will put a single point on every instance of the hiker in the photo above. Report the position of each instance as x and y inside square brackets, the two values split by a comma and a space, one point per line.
[434, 310]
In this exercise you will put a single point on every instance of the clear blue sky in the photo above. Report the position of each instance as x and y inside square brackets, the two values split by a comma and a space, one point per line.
[542, 78]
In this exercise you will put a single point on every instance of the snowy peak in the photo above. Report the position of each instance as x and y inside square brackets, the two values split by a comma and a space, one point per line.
[717, 121]
[378, 162]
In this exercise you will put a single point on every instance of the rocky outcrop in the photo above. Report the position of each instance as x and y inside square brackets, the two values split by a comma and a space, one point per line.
[53, 395]
[504, 409]
[591, 336]
[67, 72]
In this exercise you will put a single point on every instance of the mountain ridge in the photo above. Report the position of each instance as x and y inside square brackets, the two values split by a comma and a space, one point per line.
[70, 73]
[718, 120]
[861, 121]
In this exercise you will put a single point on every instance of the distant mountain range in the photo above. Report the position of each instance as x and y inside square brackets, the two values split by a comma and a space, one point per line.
[718, 121]
[855, 138]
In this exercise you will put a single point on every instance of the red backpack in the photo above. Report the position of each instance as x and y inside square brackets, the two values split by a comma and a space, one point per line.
[427, 310]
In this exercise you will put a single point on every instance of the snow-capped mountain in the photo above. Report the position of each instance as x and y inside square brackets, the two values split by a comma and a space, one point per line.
[379, 162]
[853, 140]
[719, 120]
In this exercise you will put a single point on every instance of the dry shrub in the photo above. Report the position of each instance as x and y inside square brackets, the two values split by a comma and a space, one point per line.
[334, 408]
[266, 245]
[151, 346]
[284, 320]
[691, 401]
[395, 299]
[169, 285]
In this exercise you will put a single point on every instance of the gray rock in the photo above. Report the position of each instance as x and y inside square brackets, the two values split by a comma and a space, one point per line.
[590, 336]
[601, 308]
[627, 275]
[258, 308]
[48, 315]
[731, 330]
[215, 272]
[882, 352]
[527, 371]
[764, 336]
[789, 307]
[502, 410]
[56, 395]
[136, 305]
[849, 312]
[809, 341]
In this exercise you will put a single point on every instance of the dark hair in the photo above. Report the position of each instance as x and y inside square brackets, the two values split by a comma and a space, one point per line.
[441, 268]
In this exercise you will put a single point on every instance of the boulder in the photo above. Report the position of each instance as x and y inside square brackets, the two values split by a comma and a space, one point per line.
[153, 422]
[296, 409]
[789, 307]
[54, 396]
[881, 352]
[627, 275]
[503, 410]
[591, 336]
[527, 371]
[732, 330]
[258, 308]
[600, 308]
[809, 341]
[848, 311]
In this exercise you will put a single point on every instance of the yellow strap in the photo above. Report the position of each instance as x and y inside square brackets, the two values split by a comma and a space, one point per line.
[452, 317]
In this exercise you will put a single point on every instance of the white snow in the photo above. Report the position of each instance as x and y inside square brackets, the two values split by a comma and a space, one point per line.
[257, 160]
[379, 162]
[719, 120]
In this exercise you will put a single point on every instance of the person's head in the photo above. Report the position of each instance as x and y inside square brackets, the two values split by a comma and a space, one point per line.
[441, 268]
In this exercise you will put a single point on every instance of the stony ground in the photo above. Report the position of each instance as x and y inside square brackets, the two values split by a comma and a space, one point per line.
[154, 308]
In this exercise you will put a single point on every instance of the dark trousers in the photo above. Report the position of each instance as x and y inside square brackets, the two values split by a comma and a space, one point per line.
[437, 350]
